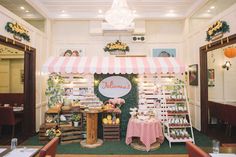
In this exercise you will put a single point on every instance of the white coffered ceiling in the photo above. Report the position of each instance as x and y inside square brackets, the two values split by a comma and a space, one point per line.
[94, 9]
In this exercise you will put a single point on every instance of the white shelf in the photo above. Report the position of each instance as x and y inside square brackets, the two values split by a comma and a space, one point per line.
[169, 115]
[177, 127]
[178, 140]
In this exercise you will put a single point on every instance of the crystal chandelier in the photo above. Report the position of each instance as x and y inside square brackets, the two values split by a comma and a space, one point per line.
[119, 15]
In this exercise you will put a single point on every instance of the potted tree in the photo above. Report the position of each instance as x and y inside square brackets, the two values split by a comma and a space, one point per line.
[54, 90]
[75, 118]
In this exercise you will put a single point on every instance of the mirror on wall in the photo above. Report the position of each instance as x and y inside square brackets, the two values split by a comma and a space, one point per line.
[221, 76]
[11, 70]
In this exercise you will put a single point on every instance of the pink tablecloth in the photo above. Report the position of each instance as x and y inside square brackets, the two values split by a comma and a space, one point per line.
[148, 131]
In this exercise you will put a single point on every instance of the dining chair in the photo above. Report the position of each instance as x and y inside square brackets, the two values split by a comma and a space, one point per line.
[7, 117]
[195, 151]
[50, 148]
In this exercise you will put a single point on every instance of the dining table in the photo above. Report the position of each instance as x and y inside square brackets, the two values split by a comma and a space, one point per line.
[19, 151]
[148, 131]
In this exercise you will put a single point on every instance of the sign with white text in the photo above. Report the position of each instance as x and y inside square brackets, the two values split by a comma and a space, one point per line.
[114, 86]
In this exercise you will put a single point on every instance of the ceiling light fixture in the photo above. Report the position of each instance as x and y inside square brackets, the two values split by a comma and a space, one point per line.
[119, 15]
[208, 11]
[22, 8]
[212, 7]
[27, 11]
[99, 11]
[171, 11]
[63, 11]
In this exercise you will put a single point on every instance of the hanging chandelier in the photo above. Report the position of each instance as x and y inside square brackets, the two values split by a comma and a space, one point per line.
[119, 15]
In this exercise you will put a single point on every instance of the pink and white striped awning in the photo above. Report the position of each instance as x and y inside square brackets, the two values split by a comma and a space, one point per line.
[123, 65]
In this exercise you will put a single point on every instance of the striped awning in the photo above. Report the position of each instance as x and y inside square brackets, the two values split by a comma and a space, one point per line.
[123, 65]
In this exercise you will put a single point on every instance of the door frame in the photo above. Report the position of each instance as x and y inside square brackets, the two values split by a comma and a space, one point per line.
[204, 78]
[28, 122]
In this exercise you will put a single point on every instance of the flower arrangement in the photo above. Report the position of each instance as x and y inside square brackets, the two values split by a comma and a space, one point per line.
[118, 102]
[53, 132]
[17, 30]
[217, 27]
[116, 46]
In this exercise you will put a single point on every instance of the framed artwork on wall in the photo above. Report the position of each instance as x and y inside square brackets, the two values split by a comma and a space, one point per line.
[72, 51]
[159, 52]
[211, 77]
[193, 75]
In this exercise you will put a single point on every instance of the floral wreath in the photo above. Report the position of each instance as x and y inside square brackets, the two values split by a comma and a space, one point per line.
[217, 27]
[17, 30]
[116, 46]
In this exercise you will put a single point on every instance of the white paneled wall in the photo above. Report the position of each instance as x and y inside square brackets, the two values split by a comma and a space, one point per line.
[192, 42]
[159, 34]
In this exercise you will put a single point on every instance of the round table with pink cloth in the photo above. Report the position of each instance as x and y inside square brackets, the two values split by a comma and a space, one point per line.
[149, 131]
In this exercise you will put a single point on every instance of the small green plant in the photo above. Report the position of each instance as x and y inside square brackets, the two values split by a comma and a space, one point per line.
[75, 117]
[54, 89]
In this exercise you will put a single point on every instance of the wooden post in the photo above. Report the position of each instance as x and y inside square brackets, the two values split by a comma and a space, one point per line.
[92, 126]
[91, 140]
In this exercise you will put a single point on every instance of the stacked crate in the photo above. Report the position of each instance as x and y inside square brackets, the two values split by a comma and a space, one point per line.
[70, 134]
[42, 133]
[111, 132]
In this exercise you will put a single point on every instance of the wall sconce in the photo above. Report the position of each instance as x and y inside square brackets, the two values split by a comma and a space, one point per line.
[227, 65]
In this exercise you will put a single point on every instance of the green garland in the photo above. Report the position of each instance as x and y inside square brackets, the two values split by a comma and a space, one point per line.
[218, 27]
[17, 30]
[131, 99]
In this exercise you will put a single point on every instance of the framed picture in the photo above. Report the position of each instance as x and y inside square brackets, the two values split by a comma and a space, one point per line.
[83, 91]
[193, 75]
[72, 52]
[68, 91]
[170, 52]
[211, 77]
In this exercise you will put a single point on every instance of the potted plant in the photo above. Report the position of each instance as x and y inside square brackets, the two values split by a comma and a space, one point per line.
[75, 118]
[54, 90]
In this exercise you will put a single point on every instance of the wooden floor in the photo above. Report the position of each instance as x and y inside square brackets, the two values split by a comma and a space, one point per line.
[72, 155]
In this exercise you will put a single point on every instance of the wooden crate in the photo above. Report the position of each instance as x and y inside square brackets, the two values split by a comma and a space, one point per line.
[42, 131]
[111, 132]
[70, 134]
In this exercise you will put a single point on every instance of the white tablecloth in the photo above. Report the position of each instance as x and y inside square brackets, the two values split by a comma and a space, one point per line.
[21, 152]
[222, 155]
[2, 150]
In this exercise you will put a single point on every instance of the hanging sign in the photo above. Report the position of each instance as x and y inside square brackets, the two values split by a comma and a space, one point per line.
[114, 86]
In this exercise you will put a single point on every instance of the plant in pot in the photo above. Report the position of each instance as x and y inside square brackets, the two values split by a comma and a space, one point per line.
[54, 90]
[75, 118]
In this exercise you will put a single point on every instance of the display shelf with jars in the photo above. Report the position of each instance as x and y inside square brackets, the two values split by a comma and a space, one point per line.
[177, 125]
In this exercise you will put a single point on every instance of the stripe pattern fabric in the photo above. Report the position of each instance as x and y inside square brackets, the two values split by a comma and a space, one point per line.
[113, 65]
